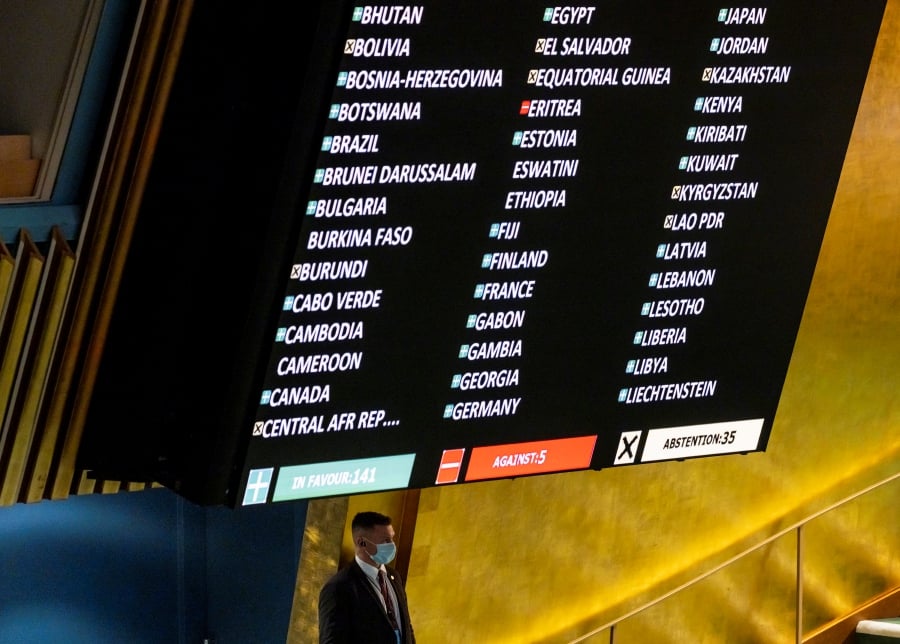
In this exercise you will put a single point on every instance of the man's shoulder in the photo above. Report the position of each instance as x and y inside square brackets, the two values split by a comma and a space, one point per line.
[349, 572]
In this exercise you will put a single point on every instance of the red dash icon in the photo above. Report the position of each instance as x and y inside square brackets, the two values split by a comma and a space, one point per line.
[450, 467]
[526, 105]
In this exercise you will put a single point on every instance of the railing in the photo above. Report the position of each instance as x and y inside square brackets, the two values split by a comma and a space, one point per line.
[796, 527]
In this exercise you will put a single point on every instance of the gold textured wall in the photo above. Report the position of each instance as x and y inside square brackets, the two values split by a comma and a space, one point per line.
[547, 559]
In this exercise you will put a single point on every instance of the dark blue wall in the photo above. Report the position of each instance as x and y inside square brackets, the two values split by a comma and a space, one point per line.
[252, 558]
[146, 567]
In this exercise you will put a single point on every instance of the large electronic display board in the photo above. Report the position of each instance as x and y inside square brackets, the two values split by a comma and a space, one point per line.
[542, 238]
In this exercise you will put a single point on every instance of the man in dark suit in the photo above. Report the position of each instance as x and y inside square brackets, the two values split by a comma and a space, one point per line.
[364, 602]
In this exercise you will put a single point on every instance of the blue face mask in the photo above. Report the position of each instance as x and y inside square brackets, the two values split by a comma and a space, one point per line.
[385, 553]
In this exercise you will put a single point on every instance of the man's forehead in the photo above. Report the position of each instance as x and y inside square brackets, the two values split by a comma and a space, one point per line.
[382, 531]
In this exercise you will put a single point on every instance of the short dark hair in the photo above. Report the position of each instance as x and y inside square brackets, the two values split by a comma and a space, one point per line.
[368, 520]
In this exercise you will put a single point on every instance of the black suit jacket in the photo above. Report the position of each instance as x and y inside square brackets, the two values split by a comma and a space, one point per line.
[350, 611]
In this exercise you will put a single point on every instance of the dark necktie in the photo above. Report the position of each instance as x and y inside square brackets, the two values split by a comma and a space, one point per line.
[387, 600]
